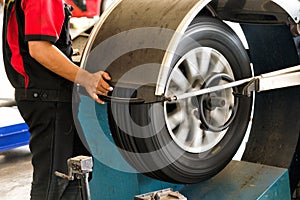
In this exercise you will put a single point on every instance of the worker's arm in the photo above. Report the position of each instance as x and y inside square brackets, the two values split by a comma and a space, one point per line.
[54, 60]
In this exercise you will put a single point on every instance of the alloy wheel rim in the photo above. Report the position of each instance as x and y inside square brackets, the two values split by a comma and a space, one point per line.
[182, 118]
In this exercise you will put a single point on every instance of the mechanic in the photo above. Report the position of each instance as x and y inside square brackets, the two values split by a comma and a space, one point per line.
[37, 55]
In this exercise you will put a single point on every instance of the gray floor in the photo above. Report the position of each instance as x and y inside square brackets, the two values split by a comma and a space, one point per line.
[15, 174]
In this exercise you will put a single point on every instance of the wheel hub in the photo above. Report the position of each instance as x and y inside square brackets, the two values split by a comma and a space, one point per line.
[217, 101]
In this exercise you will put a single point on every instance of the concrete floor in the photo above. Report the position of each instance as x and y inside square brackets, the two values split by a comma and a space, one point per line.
[16, 174]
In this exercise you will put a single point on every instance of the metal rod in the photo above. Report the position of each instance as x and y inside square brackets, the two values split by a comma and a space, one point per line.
[84, 187]
[209, 90]
[8, 103]
[282, 71]
[274, 80]
[278, 81]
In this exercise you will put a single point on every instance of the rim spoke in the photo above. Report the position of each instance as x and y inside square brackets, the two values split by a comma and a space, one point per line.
[218, 117]
[180, 80]
[197, 133]
[176, 118]
[210, 137]
[191, 63]
[218, 67]
[183, 132]
[204, 59]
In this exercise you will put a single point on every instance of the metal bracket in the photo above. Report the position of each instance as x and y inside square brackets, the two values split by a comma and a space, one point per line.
[279, 79]
[166, 194]
[250, 87]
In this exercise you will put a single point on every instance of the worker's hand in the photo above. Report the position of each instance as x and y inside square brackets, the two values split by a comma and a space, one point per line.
[96, 84]
[100, 87]
[52, 59]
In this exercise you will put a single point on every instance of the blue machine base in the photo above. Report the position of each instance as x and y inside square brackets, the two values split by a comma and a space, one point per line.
[239, 180]
[113, 180]
[243, 180]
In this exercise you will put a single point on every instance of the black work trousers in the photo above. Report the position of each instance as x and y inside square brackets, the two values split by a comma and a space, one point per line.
[54, 139]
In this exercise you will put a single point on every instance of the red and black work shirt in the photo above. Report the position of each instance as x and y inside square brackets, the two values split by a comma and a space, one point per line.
[34, 20]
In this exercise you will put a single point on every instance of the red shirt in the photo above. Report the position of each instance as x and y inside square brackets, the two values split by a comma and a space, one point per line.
[43, 19]
[32, 20]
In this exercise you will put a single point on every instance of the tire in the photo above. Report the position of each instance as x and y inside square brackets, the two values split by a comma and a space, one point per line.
[170, 142]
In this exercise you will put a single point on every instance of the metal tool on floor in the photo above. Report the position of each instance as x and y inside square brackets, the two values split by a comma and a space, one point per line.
[166, 194]
[79, 167]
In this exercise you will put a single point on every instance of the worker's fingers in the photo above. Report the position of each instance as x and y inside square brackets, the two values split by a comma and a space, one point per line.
[103, 86]
[99, 86]
[102, 91]
[97, 99]
[106, 76]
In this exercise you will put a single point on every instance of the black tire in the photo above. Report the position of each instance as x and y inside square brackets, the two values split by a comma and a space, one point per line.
[141, 131]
